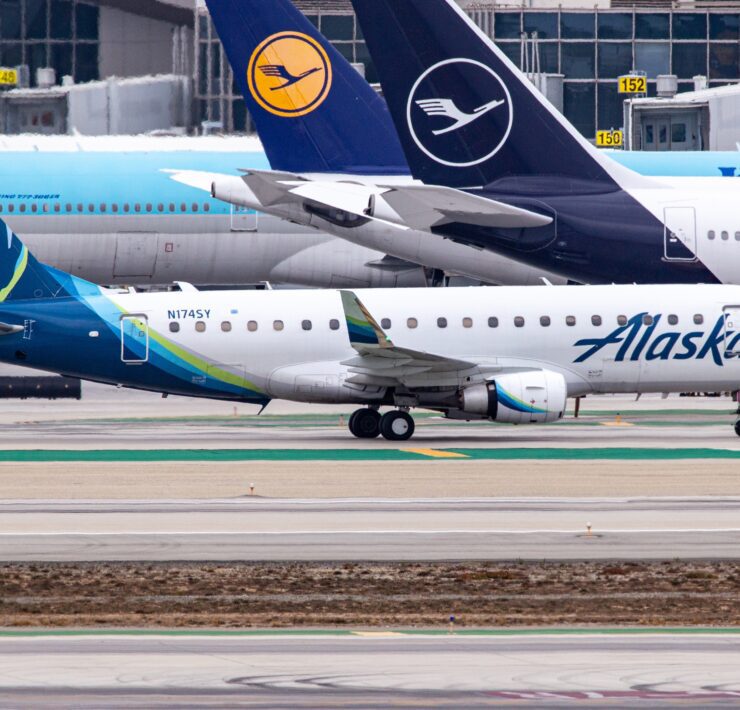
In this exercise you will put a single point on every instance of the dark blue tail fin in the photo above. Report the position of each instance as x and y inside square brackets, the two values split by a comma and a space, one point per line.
[313, 111]
[465, 114]
[22, 276]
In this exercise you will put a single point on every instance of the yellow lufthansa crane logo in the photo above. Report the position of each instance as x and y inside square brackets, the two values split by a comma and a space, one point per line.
[289, 74]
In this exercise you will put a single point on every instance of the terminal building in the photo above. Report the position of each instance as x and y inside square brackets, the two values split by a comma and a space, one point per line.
[584, 44]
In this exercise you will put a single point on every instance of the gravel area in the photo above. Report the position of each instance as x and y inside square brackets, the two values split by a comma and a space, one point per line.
[369, 595]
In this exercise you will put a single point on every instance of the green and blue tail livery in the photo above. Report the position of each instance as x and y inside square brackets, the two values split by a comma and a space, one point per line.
[364, 331]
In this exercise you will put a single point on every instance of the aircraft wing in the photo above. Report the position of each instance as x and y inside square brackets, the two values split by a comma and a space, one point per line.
[381, 362]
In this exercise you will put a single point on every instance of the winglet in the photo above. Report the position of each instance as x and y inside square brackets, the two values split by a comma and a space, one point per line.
[364, 331]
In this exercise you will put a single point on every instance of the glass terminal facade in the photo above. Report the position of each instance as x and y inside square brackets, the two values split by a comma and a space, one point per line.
[590, 48]
[63, 34]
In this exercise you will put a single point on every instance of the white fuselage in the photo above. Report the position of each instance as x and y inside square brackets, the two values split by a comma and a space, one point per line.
[600, 338]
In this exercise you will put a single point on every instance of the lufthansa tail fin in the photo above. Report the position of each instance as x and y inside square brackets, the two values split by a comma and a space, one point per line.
[313, 110]
[465, 114]
[22, 276]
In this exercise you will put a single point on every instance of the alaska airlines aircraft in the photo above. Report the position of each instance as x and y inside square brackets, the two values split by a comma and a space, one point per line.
[104, 210]
[508, 147]
[508, 354]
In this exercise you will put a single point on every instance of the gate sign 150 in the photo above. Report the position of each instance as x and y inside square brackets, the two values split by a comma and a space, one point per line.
[609, 139]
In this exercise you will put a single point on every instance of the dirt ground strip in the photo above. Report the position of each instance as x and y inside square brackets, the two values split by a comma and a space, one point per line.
[369, 595]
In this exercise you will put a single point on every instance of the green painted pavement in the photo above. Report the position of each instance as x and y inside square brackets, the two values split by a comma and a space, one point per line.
[540, 631]
[379, 454]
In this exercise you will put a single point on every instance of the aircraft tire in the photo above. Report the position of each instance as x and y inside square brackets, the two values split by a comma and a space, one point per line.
[365, 424]
[397, 426]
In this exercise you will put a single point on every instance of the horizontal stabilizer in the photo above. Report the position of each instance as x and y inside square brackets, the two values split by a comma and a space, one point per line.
[7, 329]
[424, 206]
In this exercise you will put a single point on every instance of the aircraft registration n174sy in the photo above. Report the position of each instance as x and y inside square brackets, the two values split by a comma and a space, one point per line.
[506, 354]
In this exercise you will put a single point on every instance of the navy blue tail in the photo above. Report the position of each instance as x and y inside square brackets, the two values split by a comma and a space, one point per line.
[313, 110]
[465, 114]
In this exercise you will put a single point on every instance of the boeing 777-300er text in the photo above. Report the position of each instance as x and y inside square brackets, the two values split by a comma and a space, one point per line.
[506, 354]
[103, 209]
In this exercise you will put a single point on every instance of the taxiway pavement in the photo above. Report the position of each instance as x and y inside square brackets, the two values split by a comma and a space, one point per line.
[364, 529]
[369, 670]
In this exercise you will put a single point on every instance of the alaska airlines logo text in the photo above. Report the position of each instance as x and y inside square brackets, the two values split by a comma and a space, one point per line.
[459, 113]
[289, 74]
[637, 340]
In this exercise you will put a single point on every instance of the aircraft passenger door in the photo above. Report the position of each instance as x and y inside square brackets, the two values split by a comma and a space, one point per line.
[680, 234]
[732, 328]
[136, 254]
[134, 339]
[243, 219]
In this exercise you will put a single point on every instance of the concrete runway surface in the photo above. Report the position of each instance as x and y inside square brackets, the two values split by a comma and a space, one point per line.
[365, 529]
[370, 670]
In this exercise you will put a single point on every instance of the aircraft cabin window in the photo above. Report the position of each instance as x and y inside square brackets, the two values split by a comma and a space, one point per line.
[306, 325]
[737, 236]
[195, 206]
[278, 325]
[206, 207]
[126, 207]
[710, 234]
[1, 208]
[595, 320]
[226, 326]
[385, 324]
[467, 322]
[672, 320]
[103, 207]
[45, 208]
[137, 207]
[493, 322]
[80, 208]
[252, 326]
[698, 319]
[34, 207]
[570, 320]
[148, 206]
[200, 326]
[23, 208]
[647, 320]
[114, 208]
[57, 207]
[174, 327]
[725, 236]
[91, 207]
[519, 322]
[621, 320]
[11, 208]
[183, 207]
[172, 206]
[68, 207]
[334, 324]
[545, 321]
[160, 207]
[441, 322]
[412, 323]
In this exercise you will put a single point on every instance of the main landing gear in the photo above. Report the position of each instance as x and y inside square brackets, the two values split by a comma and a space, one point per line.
[394, 426]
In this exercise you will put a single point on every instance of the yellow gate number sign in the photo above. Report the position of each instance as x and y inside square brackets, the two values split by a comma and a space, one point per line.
[633, 84]
[609, 139]
[8, 77]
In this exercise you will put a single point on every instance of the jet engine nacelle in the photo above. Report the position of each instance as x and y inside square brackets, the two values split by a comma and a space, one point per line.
[518, 398]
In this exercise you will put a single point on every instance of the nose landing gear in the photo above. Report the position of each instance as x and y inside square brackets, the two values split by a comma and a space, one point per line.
[394, 426]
